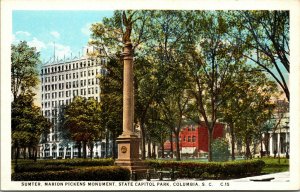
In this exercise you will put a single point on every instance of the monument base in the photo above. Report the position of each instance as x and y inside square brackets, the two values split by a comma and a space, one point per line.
[128, 153]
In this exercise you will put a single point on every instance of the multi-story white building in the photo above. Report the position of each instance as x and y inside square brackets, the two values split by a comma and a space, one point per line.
[61, 81]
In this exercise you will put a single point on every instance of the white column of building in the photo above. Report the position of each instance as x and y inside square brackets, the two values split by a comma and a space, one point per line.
[278, 143]
[50, 151]
[72, 151]
[286, 140]
[99, 149]
[57, 150]
[271, 144]
[263, 146]
[43, 147]
[65, 152]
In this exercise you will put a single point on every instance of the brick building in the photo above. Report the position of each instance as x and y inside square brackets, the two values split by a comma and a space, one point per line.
[193, 139]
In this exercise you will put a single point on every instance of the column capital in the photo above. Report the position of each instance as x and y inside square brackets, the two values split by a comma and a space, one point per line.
[127, 53]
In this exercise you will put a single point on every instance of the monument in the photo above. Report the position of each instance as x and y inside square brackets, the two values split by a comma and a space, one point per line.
[128, 141]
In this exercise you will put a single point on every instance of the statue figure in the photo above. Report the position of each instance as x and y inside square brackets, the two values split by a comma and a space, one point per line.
[128, 24]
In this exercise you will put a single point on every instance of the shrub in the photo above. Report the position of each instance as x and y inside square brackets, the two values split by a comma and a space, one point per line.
[220, 150]
[109, 173]
[213, 169]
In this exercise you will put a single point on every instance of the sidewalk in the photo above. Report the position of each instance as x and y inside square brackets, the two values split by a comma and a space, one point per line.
[278, 177]
[274, 177]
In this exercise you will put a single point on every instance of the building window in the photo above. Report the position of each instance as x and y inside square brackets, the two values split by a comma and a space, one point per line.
[184, 139]
[189, 138]
[193, 138]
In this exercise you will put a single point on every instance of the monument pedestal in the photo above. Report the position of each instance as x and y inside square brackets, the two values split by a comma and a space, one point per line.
[128, 153]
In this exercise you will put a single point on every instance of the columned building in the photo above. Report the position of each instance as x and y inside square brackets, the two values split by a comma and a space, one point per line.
[61, 81]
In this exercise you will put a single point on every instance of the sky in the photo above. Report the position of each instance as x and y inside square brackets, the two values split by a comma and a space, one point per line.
[67, 30]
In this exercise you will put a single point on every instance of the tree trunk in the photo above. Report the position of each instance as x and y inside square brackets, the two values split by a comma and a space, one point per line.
[84, 149]
[266, 143]
[177, 146]
[92, 150]
[153, 151]
[29, 152]
[143, 141]
[261, 146]
[13, 151]
[106, 144]
[79, 149]
[35, 154]
[232, 141]
[210, 139]
[171, 143]
[248, 151]
[114, 153]
[162, 149]
[149, 149]
[24, 153]
[18, 153]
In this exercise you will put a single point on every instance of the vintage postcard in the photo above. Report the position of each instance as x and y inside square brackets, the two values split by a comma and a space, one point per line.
[150, 95]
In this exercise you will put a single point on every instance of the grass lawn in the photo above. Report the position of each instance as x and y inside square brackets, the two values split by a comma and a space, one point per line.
[273, 166]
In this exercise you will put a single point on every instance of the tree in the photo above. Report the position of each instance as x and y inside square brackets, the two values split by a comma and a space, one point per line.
[249, 87]
[166, 74]
[83, 122]
[210, 60]
[253, 104]
[24, 74]
[266, 34]
[28, 126]
[111, 101]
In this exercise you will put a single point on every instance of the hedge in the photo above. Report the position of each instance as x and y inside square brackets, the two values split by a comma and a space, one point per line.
[53, 165]
[38, 167]
[79, 162]
[109, 173]
[204, 170]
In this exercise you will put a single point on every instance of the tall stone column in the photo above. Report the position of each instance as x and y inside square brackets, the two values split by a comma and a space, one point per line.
[128, 141]
[128, 105]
